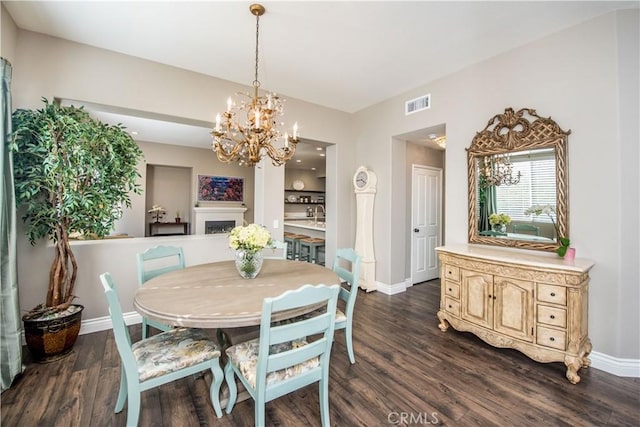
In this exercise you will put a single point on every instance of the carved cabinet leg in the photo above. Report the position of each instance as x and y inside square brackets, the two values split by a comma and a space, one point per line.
[573, 365]
[586, 362]
[444, 325]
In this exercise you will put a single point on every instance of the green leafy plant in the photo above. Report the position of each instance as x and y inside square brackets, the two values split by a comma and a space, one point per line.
[550, 210]
[73, 174]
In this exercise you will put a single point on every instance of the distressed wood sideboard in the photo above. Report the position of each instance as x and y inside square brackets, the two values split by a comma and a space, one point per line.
[535, 303]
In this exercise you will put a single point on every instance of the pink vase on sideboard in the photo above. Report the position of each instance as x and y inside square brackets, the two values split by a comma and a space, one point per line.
[570, 255]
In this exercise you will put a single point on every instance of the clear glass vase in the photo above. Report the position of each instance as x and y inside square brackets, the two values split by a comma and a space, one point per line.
[248, 263]
[500, 228]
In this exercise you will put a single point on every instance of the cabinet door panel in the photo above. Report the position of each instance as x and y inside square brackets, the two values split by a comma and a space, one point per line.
[513, 308]
[477, 298]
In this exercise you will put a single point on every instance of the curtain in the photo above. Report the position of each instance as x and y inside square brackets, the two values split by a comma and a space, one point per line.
[11, 324]
[487, 207]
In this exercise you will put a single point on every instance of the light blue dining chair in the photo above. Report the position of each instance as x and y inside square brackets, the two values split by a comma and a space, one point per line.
[527, 229]
[277, 250]
[154, 262]
[347, 266]
[280, 360]
[160, 359]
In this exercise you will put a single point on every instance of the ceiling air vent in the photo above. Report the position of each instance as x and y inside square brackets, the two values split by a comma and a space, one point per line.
[417, 104]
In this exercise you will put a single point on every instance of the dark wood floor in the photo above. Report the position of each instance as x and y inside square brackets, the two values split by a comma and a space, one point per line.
[407, 372]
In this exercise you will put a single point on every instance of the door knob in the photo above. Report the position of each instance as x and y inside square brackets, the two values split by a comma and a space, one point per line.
[415, 230]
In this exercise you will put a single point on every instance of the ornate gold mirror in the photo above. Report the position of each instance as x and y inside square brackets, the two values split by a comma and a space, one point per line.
[516, 165]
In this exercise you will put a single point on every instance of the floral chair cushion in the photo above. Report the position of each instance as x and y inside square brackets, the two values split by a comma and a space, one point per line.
[171, 351]
[245, 357]
[340, 317]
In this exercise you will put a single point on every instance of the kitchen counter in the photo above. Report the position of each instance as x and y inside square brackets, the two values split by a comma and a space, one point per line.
[305, 223]
[305, 226]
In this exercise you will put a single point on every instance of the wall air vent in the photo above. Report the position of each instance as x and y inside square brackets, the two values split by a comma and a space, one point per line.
[417, 104]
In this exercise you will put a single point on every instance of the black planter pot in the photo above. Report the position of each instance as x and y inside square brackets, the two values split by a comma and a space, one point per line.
[52, 339]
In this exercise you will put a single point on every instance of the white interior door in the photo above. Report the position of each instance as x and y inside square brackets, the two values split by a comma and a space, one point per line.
[426, 222]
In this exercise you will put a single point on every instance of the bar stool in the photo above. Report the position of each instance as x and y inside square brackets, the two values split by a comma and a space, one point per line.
[309, 249]
[293, 244]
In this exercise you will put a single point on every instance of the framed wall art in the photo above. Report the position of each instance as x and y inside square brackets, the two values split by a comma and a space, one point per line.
[220, 188]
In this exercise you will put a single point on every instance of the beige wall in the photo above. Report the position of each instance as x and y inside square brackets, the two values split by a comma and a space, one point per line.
[9, 34]
[200, 162]
[573, 76]
[584, 77]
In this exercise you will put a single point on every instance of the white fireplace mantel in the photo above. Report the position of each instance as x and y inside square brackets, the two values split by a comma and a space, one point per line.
[217, 213]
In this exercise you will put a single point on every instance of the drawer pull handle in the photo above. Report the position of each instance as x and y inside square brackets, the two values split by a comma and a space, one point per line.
[449, 289]
[450, 272]
[553, 294]
[552, 316]
[552, 339]
[450, 306]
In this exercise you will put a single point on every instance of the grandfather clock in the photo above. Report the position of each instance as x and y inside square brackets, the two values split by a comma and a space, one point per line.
[364, 183]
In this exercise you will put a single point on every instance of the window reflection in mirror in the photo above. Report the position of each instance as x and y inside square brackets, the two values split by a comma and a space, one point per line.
[509, 185]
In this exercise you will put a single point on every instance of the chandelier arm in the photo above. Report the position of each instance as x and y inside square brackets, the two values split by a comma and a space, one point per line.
[228, 156]
[234, 139]
[279, 156]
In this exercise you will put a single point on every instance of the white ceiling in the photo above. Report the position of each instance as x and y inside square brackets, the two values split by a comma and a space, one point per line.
[345, 55]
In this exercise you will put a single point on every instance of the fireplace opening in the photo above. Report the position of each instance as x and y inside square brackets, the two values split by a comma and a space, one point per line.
[217, 227]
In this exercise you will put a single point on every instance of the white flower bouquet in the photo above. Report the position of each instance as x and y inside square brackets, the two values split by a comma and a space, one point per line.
[502, 219]
[252, 238]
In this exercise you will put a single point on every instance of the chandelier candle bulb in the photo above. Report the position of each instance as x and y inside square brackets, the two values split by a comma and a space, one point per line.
[286, 140]
[295, 130]
[218, 118]
[229, 104]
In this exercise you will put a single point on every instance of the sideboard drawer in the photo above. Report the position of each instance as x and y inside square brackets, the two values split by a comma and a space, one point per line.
[553, 316]
[452, 289]
[551, 338]
[451, 272]
[452, 306]
[552, 293]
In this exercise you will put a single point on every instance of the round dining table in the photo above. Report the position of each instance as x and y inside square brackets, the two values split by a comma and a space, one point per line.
[216, 296]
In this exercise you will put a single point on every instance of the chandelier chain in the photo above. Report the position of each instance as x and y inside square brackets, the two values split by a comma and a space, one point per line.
[256, 82]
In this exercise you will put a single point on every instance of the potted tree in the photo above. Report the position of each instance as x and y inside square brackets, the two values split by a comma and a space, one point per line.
[73, 175]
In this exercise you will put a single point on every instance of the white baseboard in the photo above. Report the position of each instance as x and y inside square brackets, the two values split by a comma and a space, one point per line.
[615, 365]
[395, 288]
[103, 323]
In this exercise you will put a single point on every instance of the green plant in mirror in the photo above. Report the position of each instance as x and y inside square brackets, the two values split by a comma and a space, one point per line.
[550, 210]
[73, 174]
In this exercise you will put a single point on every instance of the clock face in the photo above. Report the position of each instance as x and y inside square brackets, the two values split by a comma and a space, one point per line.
[362, 178]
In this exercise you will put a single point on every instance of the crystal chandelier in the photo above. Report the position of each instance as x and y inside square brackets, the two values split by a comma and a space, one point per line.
[246, 141]
[497, 170]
